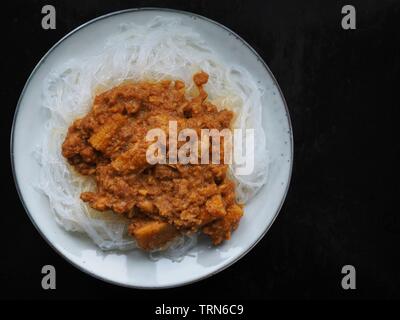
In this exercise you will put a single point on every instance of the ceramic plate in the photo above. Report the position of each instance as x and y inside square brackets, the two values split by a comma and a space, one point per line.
[134, 268]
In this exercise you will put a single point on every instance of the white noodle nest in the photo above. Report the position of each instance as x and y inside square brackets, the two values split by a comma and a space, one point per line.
[164, 48]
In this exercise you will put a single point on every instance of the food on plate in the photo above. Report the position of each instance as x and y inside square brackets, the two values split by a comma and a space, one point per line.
[160, 201]
[93, 168]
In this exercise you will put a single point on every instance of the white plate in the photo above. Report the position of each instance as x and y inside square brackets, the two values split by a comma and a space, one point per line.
[134, 269]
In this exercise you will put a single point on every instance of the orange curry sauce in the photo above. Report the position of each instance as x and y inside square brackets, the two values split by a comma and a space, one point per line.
[161, 201]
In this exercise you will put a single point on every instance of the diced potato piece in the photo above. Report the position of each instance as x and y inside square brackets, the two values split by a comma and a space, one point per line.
[215, 206]
[146, 206]
[152, 234]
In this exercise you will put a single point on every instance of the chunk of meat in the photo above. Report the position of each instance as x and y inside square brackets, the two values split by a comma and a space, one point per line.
[200, 78]
[104, 201]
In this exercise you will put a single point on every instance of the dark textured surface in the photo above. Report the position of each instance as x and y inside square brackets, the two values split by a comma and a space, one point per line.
[342, 91]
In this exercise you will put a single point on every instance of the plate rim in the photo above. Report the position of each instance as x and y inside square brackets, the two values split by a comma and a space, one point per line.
[76, 265]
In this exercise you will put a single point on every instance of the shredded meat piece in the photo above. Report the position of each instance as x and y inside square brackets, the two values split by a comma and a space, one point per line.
[161, 200]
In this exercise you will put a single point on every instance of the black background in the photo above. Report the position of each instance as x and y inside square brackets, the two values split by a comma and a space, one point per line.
[342, 89]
